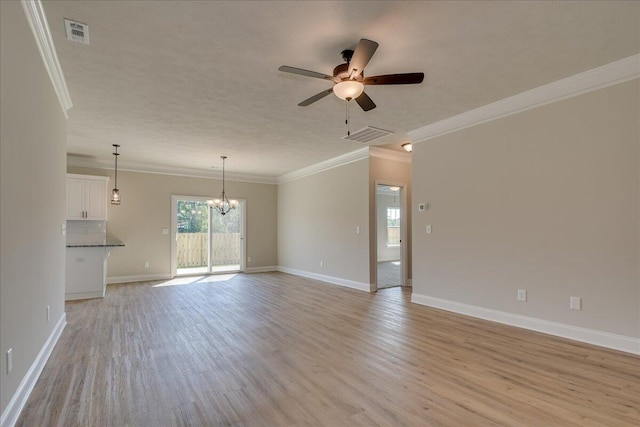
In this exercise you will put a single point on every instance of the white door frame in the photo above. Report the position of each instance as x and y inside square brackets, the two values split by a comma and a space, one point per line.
[174, 231]
[403, 230]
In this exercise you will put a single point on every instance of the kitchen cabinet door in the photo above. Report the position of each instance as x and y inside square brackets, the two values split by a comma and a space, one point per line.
[87, 197]
[75, 203]
[96, 199]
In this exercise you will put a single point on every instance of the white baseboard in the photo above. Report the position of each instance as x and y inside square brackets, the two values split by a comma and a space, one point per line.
[329, 279]
[265, 269]
[138, 278]
[83, 295]
[590, 336]
[12, 411]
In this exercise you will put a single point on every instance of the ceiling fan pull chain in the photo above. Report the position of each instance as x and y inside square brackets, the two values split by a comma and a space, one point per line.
[346, 119]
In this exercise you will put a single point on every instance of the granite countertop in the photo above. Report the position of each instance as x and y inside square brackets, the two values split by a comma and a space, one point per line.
[110, 244]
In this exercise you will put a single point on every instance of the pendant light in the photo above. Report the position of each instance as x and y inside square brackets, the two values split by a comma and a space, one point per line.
[223, 205]
[115, 193]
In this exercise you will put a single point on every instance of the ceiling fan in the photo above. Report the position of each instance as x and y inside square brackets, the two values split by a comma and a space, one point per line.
[349, 80]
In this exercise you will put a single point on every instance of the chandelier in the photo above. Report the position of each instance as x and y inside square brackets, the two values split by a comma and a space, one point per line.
[223, 205]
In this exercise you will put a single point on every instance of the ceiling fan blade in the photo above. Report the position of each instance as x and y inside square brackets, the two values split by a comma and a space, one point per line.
[306, 73]
[361, 56]
[395, 79]
[315, 98]
[365, 102]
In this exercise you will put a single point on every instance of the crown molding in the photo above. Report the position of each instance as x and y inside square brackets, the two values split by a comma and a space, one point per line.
[386, 154]
[354, 156]
[597, 78]
[38, 22]
[345, 159]
[89, 162]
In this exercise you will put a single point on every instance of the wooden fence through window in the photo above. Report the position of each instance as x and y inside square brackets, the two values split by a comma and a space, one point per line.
[192, 249]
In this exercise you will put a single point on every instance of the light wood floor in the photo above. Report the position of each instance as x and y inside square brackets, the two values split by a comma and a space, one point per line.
[278, 350]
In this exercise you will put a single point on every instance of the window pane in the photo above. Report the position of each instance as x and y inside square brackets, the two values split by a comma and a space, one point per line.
[393, 226]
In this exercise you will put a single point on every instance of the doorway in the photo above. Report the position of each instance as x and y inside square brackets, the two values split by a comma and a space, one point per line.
[390, 235]
[205, 241]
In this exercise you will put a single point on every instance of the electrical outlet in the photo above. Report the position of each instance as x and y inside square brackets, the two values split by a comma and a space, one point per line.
[165, 231]
[248, 259]
[48, 313]
[9, 360]
[321, 263]
[357, 229]
[147, 264]
[575, 303]
[522, 295]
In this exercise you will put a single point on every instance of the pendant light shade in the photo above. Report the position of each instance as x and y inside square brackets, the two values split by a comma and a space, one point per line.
[115, 193]
[223, 205]
[408, 147]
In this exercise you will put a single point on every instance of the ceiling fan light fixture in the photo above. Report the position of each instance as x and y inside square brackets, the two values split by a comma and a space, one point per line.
[348, 89]
[408, 147]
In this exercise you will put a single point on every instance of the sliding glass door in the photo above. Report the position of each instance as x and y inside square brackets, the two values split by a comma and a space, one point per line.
[226, 240]
[205, 241]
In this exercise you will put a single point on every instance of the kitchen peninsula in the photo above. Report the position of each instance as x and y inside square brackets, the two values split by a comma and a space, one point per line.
[87, 269]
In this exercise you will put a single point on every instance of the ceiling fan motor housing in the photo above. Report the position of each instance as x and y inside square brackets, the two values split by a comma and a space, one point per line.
[342, 72]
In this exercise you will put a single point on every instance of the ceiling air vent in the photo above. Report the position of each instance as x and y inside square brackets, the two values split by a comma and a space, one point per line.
[367, 134]
[77, 32]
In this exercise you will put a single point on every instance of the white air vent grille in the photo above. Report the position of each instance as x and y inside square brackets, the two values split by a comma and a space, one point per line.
[367, 134]
[76, 31]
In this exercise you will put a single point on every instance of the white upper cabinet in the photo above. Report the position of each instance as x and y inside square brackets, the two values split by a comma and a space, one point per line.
[87, 197]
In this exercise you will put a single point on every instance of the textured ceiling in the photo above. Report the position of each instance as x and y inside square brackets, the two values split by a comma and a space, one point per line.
[179, 83]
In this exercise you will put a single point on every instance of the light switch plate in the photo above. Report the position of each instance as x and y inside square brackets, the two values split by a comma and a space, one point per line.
[522, 295]
[165, 231]
[428, 229]
[575, 303]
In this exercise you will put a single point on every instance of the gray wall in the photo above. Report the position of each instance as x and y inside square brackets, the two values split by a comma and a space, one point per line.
[547, 201]
[32, 200]
[146, 209]
[317, 220]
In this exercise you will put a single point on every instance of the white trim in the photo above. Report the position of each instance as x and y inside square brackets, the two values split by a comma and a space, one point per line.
[597, 78]
[83, 295]
[389, 259]
[354, 156]
[335, 162]
[138, 278]
[265, 269]
[404, 230]
[383, 153]
[329, 279]
[590, 336]
[16, 404]
[91, 162]
[38, 22]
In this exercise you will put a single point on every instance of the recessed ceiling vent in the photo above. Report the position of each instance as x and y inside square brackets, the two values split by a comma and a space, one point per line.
[367, 134]
[76, 31]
